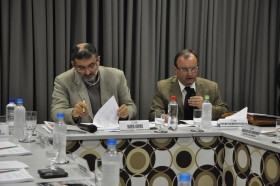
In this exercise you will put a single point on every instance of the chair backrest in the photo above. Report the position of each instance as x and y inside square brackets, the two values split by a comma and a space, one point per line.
[3, 119]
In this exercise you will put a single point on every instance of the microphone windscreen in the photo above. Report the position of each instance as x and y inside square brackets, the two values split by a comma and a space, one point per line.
[92, 128]
[192, 92]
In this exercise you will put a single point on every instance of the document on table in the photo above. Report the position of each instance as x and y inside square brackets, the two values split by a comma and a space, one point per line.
[71, 129]
[10, 149]
[6, 145]
[106, 118]
[6, 165]
[15, 176]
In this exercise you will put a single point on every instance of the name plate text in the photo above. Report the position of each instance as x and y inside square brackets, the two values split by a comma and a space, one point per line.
[251, 131]
[134, 125]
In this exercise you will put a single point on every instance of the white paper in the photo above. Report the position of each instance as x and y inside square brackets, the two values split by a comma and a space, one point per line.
[71, 129]
[20, 175]
[107, 114]
[14, 151]
[242, 114]
[12, 165]
[5, 144]
[106, 119]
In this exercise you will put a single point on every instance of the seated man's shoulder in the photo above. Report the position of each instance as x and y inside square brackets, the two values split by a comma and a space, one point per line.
[111, 70]
[66, 74]
[169, 80]
[205, 81]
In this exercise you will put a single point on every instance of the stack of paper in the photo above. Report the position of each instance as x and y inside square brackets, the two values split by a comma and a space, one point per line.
[10, 149]
[71, 129]
[13, 172]
[15, 176]
[106, 118]
[236, 120]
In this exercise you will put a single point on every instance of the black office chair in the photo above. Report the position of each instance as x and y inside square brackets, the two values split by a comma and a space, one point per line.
[3, 119]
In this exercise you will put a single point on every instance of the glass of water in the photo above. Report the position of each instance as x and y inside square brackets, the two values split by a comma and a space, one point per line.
[159, 120]
[51, 154]
[29, 126]
[197, 114]
[278, 129]
[98, 171]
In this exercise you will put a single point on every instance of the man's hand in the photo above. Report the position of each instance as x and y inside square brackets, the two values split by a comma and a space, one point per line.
[123, 111]
[196, 101]
[78, 110]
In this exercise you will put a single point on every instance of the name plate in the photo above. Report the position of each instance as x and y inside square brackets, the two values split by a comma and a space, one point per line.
[82, 165]
[134, 125]
[251, 131]
[232, 122]
[4, 130]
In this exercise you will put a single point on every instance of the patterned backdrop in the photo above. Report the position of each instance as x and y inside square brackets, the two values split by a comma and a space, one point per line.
[210, 161]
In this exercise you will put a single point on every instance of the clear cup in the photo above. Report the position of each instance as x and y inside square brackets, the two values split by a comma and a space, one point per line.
[197, 113]
[197, 119]
[29, 126]
[159, 120]
[51, 154]
[98, 171]
[278, 130]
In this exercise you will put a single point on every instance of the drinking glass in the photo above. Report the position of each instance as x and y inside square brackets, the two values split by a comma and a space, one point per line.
[197, 114]
[98, 171]
[51, 154]
[29, 126]
[278, 130]
[159, 120]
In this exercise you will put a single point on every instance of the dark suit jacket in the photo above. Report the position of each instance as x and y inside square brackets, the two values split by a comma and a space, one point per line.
[278, 83]
[70, 88]
[169, 87]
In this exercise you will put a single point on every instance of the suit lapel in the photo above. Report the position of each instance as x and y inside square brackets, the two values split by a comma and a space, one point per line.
[199, 88]
[82, 91]
[105, 88]
[175, 87]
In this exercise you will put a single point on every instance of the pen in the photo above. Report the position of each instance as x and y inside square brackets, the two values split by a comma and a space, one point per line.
[8, 170]
[84, 101]
[8, 147]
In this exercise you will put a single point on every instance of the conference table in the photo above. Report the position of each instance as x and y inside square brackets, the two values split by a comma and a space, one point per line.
[220, 157]
[38, 161]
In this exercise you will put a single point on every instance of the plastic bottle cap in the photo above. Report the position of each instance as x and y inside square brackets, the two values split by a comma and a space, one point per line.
[19, 100]
[111, 142]
[184, 178]
[206, 97]
[173, 98]
[60, 115]
[11, 100]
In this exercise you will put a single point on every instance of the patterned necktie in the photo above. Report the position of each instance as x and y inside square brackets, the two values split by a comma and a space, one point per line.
[188, 110]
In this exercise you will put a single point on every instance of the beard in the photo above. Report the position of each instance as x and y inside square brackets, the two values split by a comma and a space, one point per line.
[91, 77]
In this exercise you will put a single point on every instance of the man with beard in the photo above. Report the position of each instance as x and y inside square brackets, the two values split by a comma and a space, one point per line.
[187, 83]
[81, 91]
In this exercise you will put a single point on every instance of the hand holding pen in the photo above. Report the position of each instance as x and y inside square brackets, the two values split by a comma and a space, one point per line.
[80, 109]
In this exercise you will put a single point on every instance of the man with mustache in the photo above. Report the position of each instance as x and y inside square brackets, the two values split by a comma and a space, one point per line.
[81, 91]
[186, 80]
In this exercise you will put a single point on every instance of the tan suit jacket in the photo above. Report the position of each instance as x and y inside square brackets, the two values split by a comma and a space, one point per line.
[70, 88]
[170, 87]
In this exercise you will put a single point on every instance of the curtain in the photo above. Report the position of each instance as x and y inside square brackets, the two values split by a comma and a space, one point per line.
[237, 43]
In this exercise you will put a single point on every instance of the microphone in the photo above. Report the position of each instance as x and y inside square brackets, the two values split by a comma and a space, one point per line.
[192, 92]
[88, 128]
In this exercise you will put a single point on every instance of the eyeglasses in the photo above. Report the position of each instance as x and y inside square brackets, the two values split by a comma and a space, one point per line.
[192, 69]
[89, 67]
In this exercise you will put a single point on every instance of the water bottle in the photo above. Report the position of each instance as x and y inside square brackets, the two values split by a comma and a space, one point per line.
[19, 119]
[206, 113]
[110, 165]
[184, 179]
[173, 113]
[10, 115]
[59, 138]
